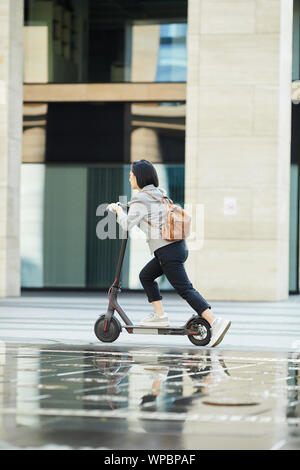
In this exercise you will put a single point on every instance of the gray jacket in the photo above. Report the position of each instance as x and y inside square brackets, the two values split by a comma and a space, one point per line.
[144, 208]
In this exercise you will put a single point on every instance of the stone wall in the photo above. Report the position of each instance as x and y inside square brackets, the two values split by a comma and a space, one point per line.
[11, 73]
[238, 145]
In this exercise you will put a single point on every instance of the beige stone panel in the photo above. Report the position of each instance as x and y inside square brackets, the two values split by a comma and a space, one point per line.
[193, 48]
[283, 189]
[16, 24]
[283, 212]
[4, 28]
[237, 152]
[232, 177]
[3, 44]
[286, 50]
[9, 212]
[254, 266]
[3, 62]
[15, 118]
[15, 65]
[236, 270]
[3, 161]
[36, 54]
[3, 211]
[255, 212]
[34, 145]
[266, 111]
[239, 58]
[11, 48]
[14, 162]
[282, 268]
[104, 92]
[144, 144]
[150, 110]
[267, 16]
[191, 162]
[241, 161]
[145, 46]
[13, 266]
[284, 163]
[192, 115]
[3, 92]
[39, 109]
[225, 111]
[4, 10]
[227, 212]
[285, 103]
[194, 16]
[227, 16]
[3, 120]
[284, 120]
[13, 213]
[2, 264]
[264, 212]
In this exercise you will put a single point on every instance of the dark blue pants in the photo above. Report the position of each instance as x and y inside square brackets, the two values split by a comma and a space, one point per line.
[169, 260]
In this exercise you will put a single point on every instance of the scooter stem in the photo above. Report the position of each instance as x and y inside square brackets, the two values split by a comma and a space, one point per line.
[120, 262]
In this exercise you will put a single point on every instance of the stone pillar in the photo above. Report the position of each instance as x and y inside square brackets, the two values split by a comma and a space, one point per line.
[11, 74]
[238, 145]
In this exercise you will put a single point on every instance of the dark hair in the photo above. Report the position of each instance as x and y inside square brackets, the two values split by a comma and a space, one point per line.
[145, 173]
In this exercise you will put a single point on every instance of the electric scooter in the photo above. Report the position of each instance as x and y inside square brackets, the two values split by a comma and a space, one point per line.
[108, 328]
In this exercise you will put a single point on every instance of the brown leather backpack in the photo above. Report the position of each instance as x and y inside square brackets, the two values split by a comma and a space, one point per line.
[177, 225]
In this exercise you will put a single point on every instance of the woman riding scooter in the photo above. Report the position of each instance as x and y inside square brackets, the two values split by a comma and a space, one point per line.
[147, 211]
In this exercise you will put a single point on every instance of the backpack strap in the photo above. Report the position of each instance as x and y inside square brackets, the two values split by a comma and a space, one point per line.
[163, 199]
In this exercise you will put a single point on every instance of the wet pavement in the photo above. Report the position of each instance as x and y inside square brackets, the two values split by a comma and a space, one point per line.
[60, 388]
[99, 396]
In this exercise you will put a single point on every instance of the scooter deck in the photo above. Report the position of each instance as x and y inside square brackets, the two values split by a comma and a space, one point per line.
[159, 330]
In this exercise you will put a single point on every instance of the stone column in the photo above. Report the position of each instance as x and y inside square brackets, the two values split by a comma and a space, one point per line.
[238, 145]
[11, 74]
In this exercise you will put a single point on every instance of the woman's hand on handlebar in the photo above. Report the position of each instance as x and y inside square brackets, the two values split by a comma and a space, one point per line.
[114, 207]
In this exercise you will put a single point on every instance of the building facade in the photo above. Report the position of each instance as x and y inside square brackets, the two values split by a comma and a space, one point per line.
[202, 88]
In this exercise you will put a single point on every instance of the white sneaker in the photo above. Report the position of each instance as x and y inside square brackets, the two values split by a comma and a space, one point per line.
[218, 330]
[155, 320]
[219, 370]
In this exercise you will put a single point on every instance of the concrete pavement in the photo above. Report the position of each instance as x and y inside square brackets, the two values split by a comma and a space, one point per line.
[69, 317]
[60, 388]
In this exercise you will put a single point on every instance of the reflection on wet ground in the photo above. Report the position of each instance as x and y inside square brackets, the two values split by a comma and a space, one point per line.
[120, 398]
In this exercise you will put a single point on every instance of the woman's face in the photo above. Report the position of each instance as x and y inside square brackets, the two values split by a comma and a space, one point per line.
[132, 181]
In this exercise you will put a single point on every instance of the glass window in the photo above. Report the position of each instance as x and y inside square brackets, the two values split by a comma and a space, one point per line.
[96, 41]
[296, 41]
[294, 230]
[171, 63]
[104, 132]
[59, 221]
[77, 156]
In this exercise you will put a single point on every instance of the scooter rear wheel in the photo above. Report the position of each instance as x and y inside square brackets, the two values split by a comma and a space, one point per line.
[204, 329]
[107, 334]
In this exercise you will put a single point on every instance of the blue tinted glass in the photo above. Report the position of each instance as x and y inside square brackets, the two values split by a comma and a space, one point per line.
[172, 56]
[105, 41]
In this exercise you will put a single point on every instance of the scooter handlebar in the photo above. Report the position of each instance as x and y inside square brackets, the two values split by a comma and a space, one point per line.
[124, 206]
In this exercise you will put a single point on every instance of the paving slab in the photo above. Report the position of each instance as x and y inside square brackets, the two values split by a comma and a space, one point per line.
[112, 397]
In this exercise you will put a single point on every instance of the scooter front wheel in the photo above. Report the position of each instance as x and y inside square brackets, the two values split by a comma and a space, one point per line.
[107, 333]
[204, 332]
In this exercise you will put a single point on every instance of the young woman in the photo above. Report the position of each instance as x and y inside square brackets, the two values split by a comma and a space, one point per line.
[169, 256]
